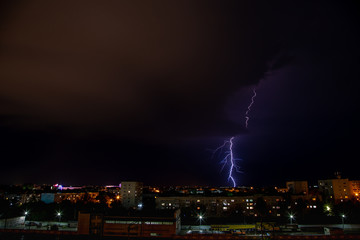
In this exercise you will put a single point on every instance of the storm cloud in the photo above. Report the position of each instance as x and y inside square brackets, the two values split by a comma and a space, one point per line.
[78, 74]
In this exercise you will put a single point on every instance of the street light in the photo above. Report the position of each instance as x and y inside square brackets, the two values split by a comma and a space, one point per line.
[328, 209]
[200, 218]
[291, 218]
[59, 215]
[342, 219]
[25, 213]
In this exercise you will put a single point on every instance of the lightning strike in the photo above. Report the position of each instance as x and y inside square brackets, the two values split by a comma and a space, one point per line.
[249, 108]
[228, 158]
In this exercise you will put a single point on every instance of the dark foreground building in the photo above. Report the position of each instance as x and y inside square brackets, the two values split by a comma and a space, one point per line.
[131, 224]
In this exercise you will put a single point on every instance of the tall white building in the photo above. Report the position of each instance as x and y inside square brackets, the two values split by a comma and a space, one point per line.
[338, 188]
[131, 194]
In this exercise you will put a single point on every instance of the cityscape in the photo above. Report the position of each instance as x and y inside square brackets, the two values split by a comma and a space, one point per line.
[295, 209]
[179, 119]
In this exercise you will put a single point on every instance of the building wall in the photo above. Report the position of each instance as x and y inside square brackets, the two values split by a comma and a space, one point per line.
[139, 226]
[47, 197]
[131, 194]
[83, 223]
[355, 189]
[339, 189]
[12, 222]
[298, 187]
[218, 206]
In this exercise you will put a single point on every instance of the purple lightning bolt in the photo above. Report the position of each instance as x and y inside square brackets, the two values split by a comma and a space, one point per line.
[249, 108]
[228, 158]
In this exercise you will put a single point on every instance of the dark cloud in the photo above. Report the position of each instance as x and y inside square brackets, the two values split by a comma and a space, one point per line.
[128, 65]
[88, 82]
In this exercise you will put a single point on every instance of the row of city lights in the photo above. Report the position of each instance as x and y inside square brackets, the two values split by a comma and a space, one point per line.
[291, 217]
[58, 214]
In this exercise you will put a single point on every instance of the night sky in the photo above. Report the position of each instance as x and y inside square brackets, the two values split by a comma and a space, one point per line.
[97, 92]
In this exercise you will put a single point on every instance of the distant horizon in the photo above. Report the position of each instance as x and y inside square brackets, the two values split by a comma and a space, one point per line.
[310, 183]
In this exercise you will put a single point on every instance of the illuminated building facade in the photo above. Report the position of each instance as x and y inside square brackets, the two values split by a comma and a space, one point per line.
[355, 189]
[298, 187]
[337, 189]
[132, 224]
[220, 205]
[131, 194]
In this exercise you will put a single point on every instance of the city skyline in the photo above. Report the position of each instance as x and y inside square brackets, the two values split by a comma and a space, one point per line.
[97, 93]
